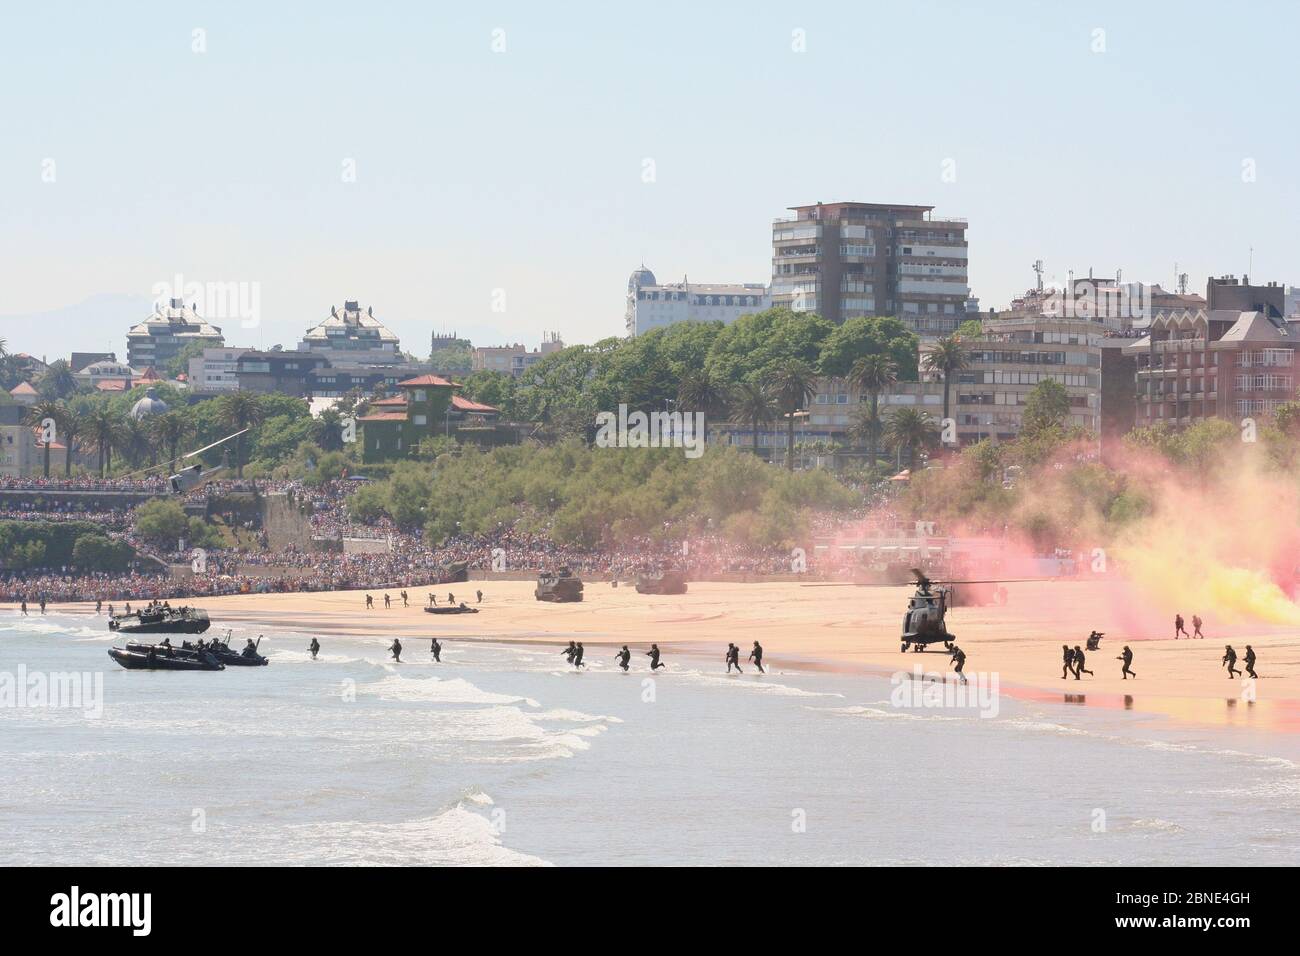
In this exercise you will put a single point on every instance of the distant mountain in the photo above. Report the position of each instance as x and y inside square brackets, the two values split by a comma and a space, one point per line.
[98, 324]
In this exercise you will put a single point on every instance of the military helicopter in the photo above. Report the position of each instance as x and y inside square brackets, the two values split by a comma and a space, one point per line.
[924, 622]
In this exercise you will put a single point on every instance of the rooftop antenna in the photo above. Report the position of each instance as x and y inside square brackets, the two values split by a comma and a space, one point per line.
[1182, 283]
[1251, 260]
[1038, 271]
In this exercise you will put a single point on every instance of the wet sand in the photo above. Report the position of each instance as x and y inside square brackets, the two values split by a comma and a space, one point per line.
[845, 628]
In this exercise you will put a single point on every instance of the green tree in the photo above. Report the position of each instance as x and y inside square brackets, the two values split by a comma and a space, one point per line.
[791, 384]
[103, 430]
[860, 337]
[704, 391]
[911, 429]
[161, 522]
[238, 411]
[751, 405]
[1046, 406]
[947, 357]
[873, 374]
[36, 416]
[169, 429]
[56, 381]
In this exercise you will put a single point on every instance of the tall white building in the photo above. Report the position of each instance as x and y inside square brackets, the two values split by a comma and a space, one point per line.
[654, 306]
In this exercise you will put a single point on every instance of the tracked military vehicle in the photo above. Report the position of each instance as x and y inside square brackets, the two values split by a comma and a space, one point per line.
[559, 586]
[665, 582]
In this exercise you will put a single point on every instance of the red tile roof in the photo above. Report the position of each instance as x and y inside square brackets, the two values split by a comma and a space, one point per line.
[468, 405]
[22, 388]
[113, 385]
[428, 380]
[384, 417]
[395, 400]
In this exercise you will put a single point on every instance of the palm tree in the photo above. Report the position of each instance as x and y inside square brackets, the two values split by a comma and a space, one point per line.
[237, 411]
[703, 391]
[133, 440]
[947, 357]
[102, 430]
[36, 416]
[909, 428]
[873, 374]
[169, 430]
[69, 427]
[791, 384]
[57, 381]
[751, 405]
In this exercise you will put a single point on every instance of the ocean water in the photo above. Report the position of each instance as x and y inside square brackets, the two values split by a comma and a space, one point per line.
[502, 755]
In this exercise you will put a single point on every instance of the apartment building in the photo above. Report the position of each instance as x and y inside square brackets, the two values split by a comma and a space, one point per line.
[651, 305]
[164, 334]
[514, 359]
[1217, 363]
[848, 259]
[215, 371]
[352, 337]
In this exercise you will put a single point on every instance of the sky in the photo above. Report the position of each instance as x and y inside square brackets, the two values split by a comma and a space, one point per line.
[498, 169]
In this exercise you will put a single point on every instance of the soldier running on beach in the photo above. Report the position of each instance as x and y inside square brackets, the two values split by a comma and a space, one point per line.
[99, 606]
[577, 656]
[1178, 627]
[433, 601]
[451, 598]
[314, 647]
[396, 650]
[570, 651]
[623, 657]
[388, 602]
[1250, 661]
[1196, 627]
[23, 607]
[370, 602]
[1230, 658]
[404, 601]
[1127, 670]
[1067, 660]
[435, 649]
[959, 660]
[733, 658]
[479, 595]
[1079, 661]
[756, 655]
[653, 654]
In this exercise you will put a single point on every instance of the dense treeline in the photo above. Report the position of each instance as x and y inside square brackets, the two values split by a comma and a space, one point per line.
[56, 544]
[593, 496]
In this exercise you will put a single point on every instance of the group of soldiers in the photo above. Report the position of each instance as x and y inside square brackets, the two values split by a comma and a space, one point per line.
[1074, 661]
[733, 658]
[406, 599]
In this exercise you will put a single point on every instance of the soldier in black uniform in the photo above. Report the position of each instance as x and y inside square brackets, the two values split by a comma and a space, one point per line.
[1230, 658]
[1127, 658]
[1079, 661]
[570, 651]
[1067, 660]
[577, 656]
[435, 649]
[733, 658]
[314, 647]
[623, 657]
[396, 650]
[1250, 661]
[959, 659]
[756, 655]
[653, 654]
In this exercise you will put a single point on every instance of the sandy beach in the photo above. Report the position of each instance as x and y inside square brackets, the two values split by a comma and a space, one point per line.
[845, 628]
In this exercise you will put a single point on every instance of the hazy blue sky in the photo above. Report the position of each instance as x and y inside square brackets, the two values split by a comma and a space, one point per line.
[522, 170]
